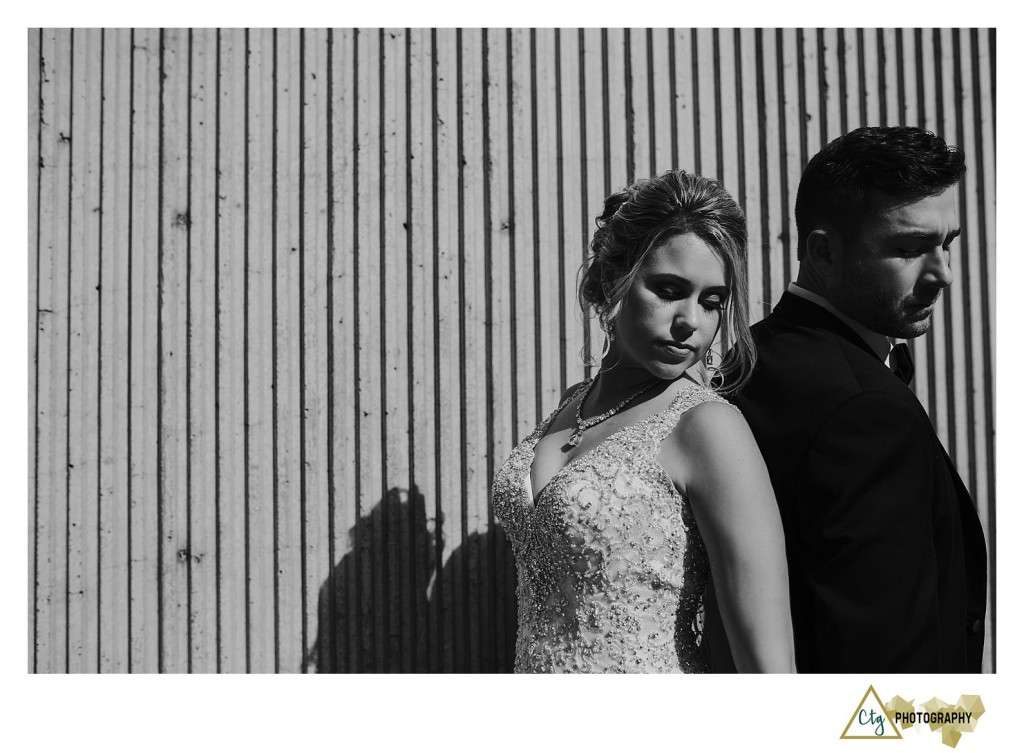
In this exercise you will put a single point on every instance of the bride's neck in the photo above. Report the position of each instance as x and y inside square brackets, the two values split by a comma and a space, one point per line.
[617, 381]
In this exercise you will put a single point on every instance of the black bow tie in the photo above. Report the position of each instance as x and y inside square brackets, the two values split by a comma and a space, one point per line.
[902, 362]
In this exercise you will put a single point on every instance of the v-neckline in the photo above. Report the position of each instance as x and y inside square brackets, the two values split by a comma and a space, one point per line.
[542, 431]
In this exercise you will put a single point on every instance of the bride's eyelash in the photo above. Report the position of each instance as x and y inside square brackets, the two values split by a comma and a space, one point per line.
[671, 294]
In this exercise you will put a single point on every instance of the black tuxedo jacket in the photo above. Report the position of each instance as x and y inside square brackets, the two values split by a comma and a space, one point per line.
[886, 554]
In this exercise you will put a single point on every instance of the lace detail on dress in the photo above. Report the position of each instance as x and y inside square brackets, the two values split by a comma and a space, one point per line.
[612, 568]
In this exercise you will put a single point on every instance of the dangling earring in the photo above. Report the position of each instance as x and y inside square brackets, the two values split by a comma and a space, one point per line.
[711, 372]
[713, 376]
[608, 337]
[608, 325]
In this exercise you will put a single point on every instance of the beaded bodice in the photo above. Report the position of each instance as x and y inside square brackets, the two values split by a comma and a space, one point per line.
[612, 568]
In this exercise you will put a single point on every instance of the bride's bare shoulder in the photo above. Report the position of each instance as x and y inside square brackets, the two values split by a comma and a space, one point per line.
[709, 443]
[710, 423]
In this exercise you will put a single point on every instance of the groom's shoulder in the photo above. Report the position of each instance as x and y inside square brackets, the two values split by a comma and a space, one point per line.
[791, 343]
[813, 364]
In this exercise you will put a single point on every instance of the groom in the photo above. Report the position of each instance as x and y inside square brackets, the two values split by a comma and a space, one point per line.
[886, 554]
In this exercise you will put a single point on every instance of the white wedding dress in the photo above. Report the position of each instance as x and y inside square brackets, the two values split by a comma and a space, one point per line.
[612, 568]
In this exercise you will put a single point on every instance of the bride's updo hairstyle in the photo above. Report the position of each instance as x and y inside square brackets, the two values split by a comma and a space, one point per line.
[645, 215]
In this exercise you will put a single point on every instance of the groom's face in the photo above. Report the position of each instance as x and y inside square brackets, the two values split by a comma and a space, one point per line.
[897, 264]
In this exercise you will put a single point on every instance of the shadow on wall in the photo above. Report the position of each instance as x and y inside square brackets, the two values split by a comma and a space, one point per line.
[391, 604]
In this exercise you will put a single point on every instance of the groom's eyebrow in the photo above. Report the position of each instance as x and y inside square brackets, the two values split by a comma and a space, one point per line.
[926, 235]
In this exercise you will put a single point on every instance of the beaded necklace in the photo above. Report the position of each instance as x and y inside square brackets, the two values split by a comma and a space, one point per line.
[582, 426]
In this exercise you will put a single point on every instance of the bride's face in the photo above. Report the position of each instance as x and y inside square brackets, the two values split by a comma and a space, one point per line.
[673, 310]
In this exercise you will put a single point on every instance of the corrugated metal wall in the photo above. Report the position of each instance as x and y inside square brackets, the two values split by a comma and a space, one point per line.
[294, 294]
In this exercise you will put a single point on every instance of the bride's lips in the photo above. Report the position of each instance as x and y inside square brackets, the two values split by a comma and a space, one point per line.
[679, 351]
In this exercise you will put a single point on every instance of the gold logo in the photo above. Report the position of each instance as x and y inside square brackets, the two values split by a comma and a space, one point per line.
[874, 720]
[871, 720]
[952, 720]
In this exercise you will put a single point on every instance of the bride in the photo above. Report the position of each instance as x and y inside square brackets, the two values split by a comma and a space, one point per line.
[645, 479]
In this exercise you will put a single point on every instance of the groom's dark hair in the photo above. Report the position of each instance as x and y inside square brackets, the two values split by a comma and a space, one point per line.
[901, 162]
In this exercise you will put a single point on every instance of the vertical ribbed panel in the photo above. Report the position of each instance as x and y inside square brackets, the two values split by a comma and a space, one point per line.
[315, 284]
[204, 477]
[178, 291]
[34, 156]
[114, 355]
[295, 294]
[260, 191]
[225, 121]
[83, 337]
[144, 259]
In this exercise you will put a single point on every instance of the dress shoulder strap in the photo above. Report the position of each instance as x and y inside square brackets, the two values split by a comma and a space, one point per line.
[694, 396]
[687, 398]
